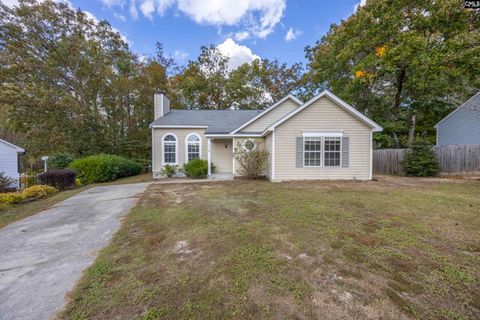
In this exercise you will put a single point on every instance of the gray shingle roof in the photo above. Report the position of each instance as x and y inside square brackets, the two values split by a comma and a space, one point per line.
[218, 121]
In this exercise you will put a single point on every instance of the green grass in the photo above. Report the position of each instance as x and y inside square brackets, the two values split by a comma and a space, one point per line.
[392, 249]
[15, 212]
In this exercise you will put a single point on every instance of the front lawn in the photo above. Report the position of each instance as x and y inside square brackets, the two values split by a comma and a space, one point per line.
[389, 249]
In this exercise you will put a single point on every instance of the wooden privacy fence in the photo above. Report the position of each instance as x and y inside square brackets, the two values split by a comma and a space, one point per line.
[454, 159]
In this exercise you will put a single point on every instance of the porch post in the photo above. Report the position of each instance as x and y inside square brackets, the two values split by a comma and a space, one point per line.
[209, 153]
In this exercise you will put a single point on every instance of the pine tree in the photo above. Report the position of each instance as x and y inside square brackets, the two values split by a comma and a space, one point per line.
[420, 160]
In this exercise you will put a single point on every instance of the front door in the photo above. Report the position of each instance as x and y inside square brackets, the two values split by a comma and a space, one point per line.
[222, 155]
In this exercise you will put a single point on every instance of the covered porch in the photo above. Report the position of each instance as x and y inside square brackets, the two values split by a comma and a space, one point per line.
[221, 163]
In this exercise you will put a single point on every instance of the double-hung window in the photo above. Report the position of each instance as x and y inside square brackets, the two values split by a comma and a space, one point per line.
[193, 146]
[322, 149]
[312, 151]
[169, 142]
[332, 154]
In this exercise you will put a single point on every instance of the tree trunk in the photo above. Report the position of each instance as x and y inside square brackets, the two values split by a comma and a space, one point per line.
[411, 130]
[398, 95]
[397, 142]
[398, 101]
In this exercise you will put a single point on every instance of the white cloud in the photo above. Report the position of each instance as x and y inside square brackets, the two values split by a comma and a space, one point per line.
[292, 34]
[242, 35]
[113, 2]
[163, 5]
[119, 16]
[10, 3]
[133, 9]
[180, 56]
[91, 16]
[238, 54]
[148, 7]
[360, 4]
[258, 18]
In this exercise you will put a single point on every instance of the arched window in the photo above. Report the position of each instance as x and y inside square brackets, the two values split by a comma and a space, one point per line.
[193, 146]
[170, 150]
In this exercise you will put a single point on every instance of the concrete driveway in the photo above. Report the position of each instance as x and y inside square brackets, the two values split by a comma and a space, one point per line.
[43, 256]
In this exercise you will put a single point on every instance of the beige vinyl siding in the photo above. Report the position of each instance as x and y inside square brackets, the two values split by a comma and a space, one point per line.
[271, 117]
[268, 147]
[222, 158]
[323, 115]
[181, 134]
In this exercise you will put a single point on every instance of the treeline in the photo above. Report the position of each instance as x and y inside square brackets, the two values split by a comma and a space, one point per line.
[72, 84]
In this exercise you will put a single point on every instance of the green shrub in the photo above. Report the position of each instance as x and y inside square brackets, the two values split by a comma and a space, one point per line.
[104, 167]
[196, 168]
[60, 161]
[420, 161]
[34, 192]
[11, 197]
[37, 191]
[169, 170]
[252, 161]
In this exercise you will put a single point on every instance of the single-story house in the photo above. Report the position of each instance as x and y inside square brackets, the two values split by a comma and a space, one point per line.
[462, 126]
[9, 160]
[323, 138]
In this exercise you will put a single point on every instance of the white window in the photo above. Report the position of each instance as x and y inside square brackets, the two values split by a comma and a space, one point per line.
[332, 147]
[169, 146]
[312, 151]
[193, 146]
[322, 149]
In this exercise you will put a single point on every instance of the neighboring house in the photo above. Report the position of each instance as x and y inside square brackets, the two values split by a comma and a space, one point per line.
[323, 138]
[462, 126]
[9, 160]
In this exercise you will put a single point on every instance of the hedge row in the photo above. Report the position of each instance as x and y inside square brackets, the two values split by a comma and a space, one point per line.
[104, 168]
[59, 178]
[34, 192]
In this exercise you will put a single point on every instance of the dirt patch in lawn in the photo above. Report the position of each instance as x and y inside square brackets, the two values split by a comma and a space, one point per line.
[386, 249]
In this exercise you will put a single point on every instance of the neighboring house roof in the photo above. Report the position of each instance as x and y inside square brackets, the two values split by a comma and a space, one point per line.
[472, 104]
[264, 112]
[19, 149]
[375, 127]
[214, 121]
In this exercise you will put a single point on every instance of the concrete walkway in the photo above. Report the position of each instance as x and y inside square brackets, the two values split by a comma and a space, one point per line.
[43, 256]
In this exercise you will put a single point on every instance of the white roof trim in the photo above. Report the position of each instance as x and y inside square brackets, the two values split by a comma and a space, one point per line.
[454, 111]
[264, 112]
[20, 150]
[322, 134]
[340, 102]
[178, 126]
[238, 135]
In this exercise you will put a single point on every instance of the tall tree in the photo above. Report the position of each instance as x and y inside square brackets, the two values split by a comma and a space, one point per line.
[208, 83]
[202, 84]
[261, 83]
[404, 63]
[71, 83]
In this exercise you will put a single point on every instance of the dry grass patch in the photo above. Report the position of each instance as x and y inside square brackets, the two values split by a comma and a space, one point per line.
[15, 212]
[303, 250]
